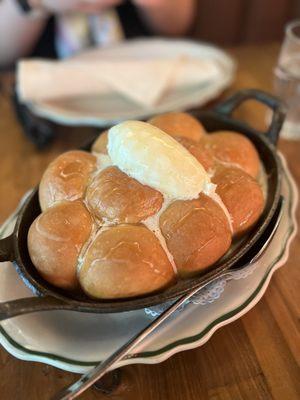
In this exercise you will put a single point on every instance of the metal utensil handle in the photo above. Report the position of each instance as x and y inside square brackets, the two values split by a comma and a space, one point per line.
[279, 110]
[96, 373]
[28, 305]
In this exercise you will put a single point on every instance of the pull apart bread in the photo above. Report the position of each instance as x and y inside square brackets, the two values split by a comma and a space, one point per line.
[151, 204]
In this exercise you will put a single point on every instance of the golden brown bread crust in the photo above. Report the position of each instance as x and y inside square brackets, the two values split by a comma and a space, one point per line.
[179, 124]
[232, 148]
[198, 151]
[128, 260]
[115, 196]
[55, 240]
[241, 195]
[125, 261]
[197, 233]
[100, 144]
[66, 178]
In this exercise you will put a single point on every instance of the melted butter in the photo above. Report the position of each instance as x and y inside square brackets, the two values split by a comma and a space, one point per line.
[64, 172]
[103, 161]
[136, 247]
[87, 244]
[48, 235]
[154, 158]
[152, 223]
[99, 261]
[214, 196]
[210, 191]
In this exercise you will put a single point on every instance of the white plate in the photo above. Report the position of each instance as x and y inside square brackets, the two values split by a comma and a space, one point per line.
[108, 109]
[76, 341]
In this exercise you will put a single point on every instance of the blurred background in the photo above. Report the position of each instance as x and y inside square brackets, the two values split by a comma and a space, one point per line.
[236, 25]
[236, 22]
[250, 35]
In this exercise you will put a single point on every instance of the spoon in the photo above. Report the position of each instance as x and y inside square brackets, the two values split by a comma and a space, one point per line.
[88, 379]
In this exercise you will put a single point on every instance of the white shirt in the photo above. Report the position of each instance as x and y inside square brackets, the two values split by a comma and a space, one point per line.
[75, 31]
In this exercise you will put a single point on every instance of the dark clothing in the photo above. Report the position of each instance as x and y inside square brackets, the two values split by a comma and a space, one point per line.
[131, 21]
[132, 24]
[45, 46]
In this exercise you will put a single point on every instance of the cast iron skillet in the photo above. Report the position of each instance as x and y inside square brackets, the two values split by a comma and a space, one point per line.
[14, 247]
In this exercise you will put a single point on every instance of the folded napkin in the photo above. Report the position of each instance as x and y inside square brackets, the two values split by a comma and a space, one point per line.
[142, 81]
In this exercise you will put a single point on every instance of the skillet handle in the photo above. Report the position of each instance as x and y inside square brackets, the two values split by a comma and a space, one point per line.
[279, 110]
[28, 305]
[7, 248]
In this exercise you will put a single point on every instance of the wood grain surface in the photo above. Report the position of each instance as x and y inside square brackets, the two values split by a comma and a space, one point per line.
[256, 357]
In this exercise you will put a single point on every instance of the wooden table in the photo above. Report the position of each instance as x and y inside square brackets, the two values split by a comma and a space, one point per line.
[256, 357]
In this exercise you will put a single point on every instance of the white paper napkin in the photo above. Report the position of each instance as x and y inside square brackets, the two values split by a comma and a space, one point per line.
[141, 81]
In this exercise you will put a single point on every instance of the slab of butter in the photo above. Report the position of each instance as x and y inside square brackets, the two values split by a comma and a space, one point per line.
[154, 158]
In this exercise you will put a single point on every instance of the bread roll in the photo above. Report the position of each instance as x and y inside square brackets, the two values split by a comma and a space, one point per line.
[125, 261]
[179, 124]
[116, 197]
[242, 196]
[66, 178]
[100, 144]
[197, 149]
[124, 258]
[55, 240]
[197, 233]
[232, 148]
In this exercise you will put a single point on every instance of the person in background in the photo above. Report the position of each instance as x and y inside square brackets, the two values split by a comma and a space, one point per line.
[60, 28]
